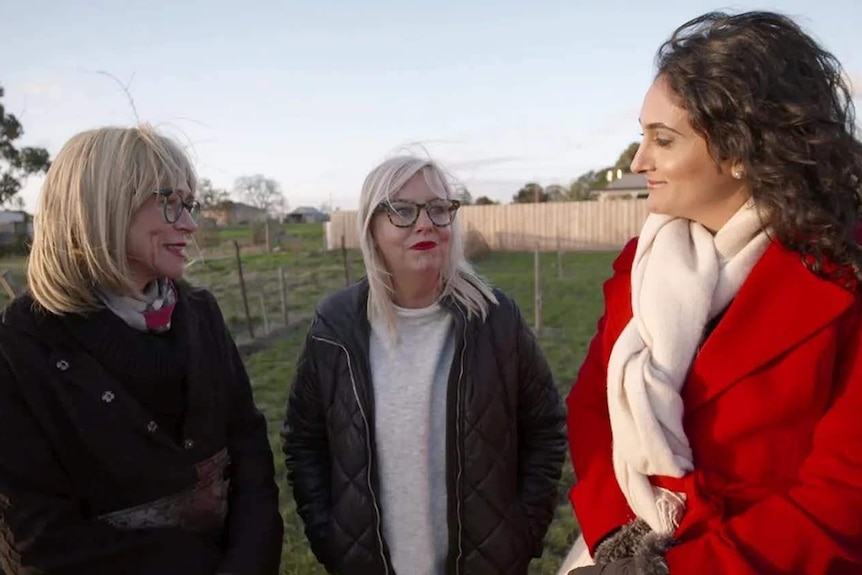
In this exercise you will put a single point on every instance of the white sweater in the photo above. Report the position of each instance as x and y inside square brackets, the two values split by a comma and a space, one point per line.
[410, 378]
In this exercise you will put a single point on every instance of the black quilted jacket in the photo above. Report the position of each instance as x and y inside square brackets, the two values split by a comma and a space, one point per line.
[502, 409]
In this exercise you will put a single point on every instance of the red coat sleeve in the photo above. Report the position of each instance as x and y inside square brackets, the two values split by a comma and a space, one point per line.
[815, 526]
[596, 497]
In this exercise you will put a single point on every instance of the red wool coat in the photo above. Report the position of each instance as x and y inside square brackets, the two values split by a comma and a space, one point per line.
[773, 413]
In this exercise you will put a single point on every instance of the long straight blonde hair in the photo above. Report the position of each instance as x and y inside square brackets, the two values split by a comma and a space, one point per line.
[458, 278]
[95, 184]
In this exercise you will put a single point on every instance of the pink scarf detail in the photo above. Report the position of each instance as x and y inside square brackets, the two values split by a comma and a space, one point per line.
[152, 314]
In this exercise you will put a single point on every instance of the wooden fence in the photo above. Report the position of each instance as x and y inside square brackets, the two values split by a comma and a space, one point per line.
[570, 226]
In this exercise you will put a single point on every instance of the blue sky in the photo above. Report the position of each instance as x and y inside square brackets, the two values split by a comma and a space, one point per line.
[315, 93]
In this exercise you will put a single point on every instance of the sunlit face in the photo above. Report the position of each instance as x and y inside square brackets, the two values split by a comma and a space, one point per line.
[416, 252]
[155, 248]
[683, 178]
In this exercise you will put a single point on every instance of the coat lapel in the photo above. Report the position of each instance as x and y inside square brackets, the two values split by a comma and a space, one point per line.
[618, 299]
[779, 305]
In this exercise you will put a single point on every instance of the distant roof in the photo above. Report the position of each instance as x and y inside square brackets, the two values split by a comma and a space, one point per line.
[306, 210]
[229, 204]
[9, 216]
[629, 182]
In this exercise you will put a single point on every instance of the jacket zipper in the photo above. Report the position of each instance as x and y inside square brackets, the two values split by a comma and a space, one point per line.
[458, 419]
[367, 446]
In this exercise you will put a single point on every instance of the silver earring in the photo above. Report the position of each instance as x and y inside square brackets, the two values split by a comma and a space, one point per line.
[736, 173]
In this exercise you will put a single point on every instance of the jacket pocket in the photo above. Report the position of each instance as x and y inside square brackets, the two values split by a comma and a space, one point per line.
[524, 542]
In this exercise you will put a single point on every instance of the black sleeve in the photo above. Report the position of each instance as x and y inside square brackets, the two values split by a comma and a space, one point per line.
[42, 527]
[541, 432]
[306, 453]
[254, 524]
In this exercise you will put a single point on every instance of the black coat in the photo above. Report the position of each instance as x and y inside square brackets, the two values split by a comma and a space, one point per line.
[505, 442]
[75, 446]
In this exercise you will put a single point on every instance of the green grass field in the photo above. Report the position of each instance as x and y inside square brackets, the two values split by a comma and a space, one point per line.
[571, 308]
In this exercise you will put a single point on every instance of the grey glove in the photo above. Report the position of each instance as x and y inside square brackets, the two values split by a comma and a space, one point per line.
[619, 567]
[631, 550]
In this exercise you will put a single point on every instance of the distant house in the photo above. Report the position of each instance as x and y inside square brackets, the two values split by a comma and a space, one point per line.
[624, 186]
[13, 224]
[306, 215]
[233, 214]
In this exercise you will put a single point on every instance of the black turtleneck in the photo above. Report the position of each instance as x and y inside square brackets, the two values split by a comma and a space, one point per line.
[150, 366]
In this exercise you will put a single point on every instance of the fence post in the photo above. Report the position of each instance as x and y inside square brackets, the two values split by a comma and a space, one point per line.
[242, 290]
[282, 284]
[267, 236]
[263, 313]
[200, 251]
[8, 284]
[347, 263]
[559, 258]
[538, 290]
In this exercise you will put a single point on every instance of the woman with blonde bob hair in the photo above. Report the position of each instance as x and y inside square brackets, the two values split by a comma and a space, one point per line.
[129, 439]
[424, 433]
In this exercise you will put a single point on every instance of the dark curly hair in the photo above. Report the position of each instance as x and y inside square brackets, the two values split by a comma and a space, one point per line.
[762, 92]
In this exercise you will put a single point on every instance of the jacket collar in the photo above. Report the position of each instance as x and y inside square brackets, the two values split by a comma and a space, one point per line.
[780, 305]
[23, 314]
[344, 315]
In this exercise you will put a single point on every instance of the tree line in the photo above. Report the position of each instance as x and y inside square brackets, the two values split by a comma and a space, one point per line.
[580, 189]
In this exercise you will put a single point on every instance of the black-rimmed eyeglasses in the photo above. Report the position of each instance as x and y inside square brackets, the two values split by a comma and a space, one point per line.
[405, 213]
[173, 205]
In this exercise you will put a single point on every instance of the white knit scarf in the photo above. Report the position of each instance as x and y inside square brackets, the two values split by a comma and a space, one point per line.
[682, 276]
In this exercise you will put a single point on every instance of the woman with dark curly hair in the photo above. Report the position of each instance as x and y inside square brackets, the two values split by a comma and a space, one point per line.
[716, 424]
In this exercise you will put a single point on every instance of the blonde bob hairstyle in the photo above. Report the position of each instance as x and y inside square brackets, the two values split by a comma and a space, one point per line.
[93, 187]
[458, 279]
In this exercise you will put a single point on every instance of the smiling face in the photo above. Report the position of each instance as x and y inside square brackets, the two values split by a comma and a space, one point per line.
[417, 252]
[683, 178]
[155, 248]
